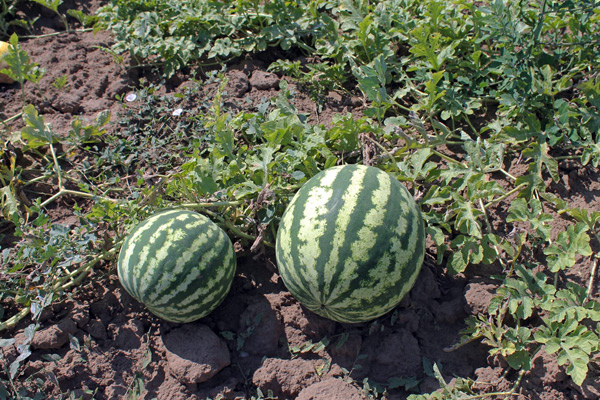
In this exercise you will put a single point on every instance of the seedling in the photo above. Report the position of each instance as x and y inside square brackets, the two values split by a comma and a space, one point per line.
[20, 68]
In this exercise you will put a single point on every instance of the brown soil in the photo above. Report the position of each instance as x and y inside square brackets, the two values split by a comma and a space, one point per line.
[120, 342]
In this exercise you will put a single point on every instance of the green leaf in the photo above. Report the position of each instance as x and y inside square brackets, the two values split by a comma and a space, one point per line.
[539, 221]
[36, 133]
[201, 178]
[404, 383]
[519, 360]
[6, 342]
[416, 166]
[9, 205]
[541, 160]
[590, 218]
[490, 243]
[20, 68]
[466, 219]
[437, 195]
[573, 344]
[575, 350]
[224, 139]
[281, 129]
[52, 5]
[466, 250]
[569, 244]
[570, 304]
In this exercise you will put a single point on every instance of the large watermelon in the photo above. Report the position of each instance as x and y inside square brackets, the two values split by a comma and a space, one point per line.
[351, 243]
[179, 264]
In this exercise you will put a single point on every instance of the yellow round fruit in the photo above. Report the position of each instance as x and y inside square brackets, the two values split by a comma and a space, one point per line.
[3, 50]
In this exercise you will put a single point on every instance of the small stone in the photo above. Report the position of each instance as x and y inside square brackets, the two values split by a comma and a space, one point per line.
[407, 319]
[104, 308]
[4, 78]
[356, 101]
[195, 353]
[398, 354]
[590, 387]
[262, 80]
[426, 287]
[451, 311]
[346, 353]
[302, 325]
[334, 98]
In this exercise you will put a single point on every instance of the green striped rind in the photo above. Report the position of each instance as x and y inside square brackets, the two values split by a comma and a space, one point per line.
[351, 243]
[179, 264]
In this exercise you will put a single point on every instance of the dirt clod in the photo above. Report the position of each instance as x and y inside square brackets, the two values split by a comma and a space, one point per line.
[194, 353]
[54, 336]
[262, 80]
[478, 296]
[285, 378]
[237, 84]
[397, 354]
[266, 327]
[331, 389]
[545, 369]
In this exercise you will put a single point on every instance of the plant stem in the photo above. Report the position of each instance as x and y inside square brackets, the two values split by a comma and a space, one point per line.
[6, 121]
[489, 227]
[505, 195]
[236, 231]
[80, 273]
[592, 278]
[56, 167]
[386, 151]
[509, 393]
[212, 204]
[57, 33]
[34, 180]
[74, 278]
[78, 194]
[462, 343]
[447, 158]
[507, 174]
[14, 320]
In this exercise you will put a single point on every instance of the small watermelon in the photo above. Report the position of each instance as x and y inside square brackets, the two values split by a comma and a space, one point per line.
[179, 264]
[351, 243]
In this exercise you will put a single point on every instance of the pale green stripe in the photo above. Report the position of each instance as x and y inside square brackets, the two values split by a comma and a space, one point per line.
[361, 247]
[313, 227]
[345, 213]
[181, 266]
[147, 247]
[208, 294]
[155, 263]
[380, 272]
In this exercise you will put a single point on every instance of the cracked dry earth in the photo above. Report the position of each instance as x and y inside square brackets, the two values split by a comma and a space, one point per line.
[118, 342]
